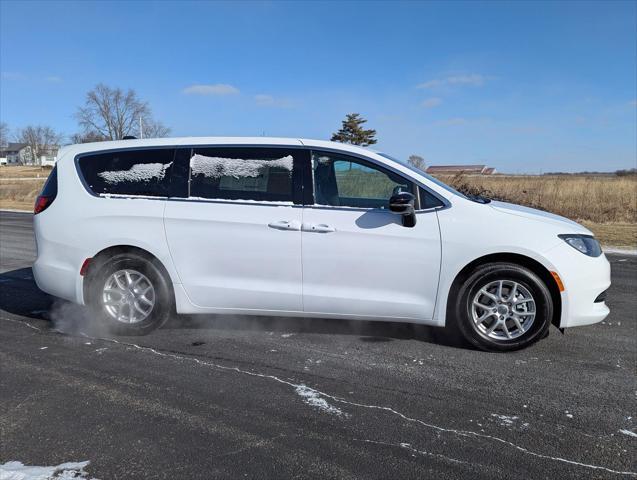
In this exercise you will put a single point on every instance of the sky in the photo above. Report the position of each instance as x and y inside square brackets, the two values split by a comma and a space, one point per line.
[526, 87]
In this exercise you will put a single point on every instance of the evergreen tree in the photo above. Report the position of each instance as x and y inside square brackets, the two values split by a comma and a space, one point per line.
[353, 133]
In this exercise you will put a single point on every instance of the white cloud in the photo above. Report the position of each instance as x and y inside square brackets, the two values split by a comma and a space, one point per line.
[633, 103]
[53, 79]
[431, 102]
[473, 79]
[211, 89]
[264, 100]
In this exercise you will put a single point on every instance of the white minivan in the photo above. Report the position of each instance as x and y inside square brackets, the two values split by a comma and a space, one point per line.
[139, 229]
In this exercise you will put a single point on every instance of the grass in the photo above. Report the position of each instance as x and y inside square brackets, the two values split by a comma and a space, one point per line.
[615, 234]
[607, 205]
[24, 172]
[596, 199]
[19, 194]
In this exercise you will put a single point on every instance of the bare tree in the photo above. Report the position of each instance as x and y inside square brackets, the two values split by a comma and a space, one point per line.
[417, 161]
[4, 134]
[155, 129]
[87, 137]
[113, 114]
[42, 140]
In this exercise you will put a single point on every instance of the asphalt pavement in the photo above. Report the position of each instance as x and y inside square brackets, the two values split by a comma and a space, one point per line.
[233, 397]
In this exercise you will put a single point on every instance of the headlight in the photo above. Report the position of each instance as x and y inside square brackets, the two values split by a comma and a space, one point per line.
[586, 244]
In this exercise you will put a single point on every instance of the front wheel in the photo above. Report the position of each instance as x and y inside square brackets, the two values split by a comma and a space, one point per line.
[503, 307]
[129, 295]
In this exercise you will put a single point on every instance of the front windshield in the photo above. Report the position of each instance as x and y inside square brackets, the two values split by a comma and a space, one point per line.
[426, 175]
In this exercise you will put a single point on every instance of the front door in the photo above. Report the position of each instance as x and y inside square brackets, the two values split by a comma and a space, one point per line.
[358, 258]
[236, 238]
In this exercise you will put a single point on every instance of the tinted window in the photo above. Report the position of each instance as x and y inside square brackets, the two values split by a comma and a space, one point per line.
[243, 173]
[129, 172]
[50, 188]
[428, 200]
[340, 180]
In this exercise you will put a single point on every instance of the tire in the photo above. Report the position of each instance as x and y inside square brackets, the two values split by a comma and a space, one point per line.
[128, 311]
[513, 308]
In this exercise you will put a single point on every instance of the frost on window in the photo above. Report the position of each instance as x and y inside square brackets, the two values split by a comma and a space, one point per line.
[140, 172]
[217, 167]
[245, 175]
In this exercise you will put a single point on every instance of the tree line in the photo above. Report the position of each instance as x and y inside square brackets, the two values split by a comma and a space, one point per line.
[107, 114]
[113, 114]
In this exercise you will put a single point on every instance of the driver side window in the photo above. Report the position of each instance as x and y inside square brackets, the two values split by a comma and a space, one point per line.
[343, 181]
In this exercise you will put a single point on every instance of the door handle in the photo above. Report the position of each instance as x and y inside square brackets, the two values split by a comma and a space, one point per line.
[285, 225]
[317, 228]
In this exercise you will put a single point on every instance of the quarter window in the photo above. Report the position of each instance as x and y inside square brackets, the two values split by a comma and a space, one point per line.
[340, 180]
[427, 200]
[129, 172]
[259, 174]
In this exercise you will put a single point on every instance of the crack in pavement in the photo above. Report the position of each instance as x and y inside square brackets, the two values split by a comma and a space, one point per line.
[408, 446]
[295, 386]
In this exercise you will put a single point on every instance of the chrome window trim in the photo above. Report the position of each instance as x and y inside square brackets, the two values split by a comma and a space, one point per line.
[262, 203]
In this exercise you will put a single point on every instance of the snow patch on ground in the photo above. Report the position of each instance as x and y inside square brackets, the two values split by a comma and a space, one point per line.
[65, 471]
[630, 433]
[141, 172]
[217, 167]
[313, 398]
[505, 420]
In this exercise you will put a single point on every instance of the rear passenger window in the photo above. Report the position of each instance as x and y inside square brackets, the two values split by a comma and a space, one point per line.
[228, 173]
[129, 172]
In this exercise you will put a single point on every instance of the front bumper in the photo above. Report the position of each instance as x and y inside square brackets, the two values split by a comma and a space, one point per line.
[585, 279]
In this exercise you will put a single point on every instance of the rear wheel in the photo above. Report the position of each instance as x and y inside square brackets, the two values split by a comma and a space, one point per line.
[130, 295]
[503, 307]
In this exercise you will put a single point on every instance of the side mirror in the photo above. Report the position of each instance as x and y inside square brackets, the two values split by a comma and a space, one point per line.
[403, 204]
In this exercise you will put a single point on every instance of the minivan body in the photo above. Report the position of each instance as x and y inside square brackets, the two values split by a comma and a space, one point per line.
[304, 228]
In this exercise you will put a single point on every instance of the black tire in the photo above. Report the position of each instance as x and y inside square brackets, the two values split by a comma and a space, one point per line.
[163, 304]
[484, 275]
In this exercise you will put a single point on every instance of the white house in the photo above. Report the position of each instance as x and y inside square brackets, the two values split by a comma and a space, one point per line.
[16, 154]
[21, 154]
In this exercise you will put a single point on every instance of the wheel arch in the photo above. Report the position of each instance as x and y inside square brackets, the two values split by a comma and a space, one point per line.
[102, 257]
[515, 258]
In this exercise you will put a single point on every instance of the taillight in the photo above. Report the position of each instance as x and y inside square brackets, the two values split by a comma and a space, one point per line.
[42, 203]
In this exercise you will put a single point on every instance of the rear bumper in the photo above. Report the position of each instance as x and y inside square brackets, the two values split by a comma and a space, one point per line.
[56, 269]
[58, 280]
[584, 279]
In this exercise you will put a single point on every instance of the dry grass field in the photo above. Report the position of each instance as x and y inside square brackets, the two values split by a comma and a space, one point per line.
[605, 204]
[24, 172]
[597, 199]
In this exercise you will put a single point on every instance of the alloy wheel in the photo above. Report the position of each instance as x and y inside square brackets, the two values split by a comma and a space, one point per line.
[128, 296]
[503, 310]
